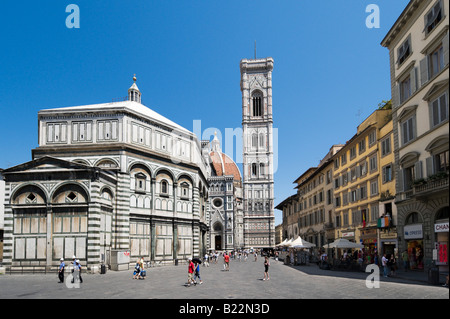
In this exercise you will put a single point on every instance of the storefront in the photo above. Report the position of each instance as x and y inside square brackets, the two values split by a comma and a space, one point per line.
[368, 238]
[413, 235]
[389, 242]
[440, 253]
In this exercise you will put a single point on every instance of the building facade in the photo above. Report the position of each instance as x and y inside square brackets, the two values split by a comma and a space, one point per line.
[357, 179]
[257, 125]
[106, 178]
[419, 68]
[310, 213]
[226, 219]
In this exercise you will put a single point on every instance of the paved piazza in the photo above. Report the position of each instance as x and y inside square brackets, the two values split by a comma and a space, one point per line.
[243, 281]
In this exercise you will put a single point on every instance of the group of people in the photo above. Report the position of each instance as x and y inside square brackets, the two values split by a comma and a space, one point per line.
[193, 272]
[139, 269]
[194, 266]
[76, 268]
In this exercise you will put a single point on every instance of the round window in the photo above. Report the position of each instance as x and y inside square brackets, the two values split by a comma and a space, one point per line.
[217, 202]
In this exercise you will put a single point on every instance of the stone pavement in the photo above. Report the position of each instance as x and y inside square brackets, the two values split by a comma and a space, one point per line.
[243, 281]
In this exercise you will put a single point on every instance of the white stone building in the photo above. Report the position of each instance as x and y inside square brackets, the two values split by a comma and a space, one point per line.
[107, 178]
[258, 164]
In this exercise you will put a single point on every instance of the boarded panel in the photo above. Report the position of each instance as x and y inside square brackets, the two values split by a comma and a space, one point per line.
[81, 247]
[19, 248]
[69, 247]
[58, 248]
[41, 248]
[31, 248]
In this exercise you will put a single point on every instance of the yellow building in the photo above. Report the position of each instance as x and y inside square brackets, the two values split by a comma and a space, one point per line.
[358, 181]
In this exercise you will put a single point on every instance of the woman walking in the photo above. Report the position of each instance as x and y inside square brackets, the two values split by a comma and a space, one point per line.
[266, 268]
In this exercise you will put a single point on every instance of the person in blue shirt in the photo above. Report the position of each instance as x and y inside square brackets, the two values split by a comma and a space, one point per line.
[62, 265]
[197, 273]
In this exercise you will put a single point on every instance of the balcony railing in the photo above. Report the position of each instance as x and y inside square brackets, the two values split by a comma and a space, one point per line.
[425, 188]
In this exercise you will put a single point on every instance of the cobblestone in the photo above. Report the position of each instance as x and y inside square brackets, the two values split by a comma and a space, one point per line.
[243, 281]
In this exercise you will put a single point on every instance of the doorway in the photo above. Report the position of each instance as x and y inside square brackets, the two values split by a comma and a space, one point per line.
[218, 242]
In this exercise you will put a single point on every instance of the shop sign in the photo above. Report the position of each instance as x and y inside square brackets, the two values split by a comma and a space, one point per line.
[441, 253]
[348, 234]
[413, 231]
[441, 227]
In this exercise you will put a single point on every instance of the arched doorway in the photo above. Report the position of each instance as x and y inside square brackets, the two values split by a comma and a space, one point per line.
[218, 235]
[218, 242]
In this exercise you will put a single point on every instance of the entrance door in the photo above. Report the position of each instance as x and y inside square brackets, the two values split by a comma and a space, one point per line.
[218, 241]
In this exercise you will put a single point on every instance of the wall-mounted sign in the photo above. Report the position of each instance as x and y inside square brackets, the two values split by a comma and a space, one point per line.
[348, 234]
[413, 231]
[441, 228]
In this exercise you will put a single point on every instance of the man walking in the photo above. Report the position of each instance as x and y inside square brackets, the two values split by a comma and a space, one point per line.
[384, 263]
[191, 270]
[405, 260]
[62, 265]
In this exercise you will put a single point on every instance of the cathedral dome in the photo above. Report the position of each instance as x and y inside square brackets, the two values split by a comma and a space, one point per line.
[224, 165]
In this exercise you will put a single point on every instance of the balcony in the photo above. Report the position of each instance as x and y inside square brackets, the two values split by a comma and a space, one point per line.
[432, 185]
[328, 226]
[423, 188]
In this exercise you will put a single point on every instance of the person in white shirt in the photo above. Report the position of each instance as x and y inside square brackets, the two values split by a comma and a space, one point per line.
[384, 263]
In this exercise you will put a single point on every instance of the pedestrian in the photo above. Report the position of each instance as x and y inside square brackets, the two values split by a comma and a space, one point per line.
[276, 256]
[191, 270]
[266, 268]
[79, 270]
[197, 273]
[136, 270]
[384, 263]
[393, 264]
[206, 263]
[62, 266]
[142, 271]
[446, 282]
[405, 259]
[226, 260]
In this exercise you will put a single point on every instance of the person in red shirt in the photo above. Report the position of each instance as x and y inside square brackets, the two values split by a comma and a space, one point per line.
[191, 269]
[226, 259]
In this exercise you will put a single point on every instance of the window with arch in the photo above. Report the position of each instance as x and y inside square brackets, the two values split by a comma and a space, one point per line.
[140, 180]
[254, 140]
[257, 106]
[254, 169]
[164, 187]
[412, 218]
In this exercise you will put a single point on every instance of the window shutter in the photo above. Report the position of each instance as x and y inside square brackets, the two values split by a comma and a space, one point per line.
[445, 47]
[413, 80]
[400, 179]
[430, 166]
[396, 96]
[418, 170]
[423, 71]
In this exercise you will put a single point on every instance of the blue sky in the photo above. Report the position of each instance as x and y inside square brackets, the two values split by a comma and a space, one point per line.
[330, 70]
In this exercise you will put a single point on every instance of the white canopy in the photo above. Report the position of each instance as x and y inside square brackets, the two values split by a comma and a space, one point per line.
[301, 243]
[343, 243]
[282, 243]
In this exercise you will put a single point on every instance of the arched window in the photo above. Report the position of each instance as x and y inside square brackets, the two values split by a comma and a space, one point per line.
[257, 104]
[254, 169]
[413, 218]
[261, 140]
[164, 187]
[254, 140]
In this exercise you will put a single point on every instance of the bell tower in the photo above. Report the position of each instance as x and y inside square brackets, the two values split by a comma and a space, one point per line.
[257, 126]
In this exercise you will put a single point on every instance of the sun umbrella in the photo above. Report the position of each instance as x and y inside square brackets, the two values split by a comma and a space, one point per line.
[301, 243]
[343, 243]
